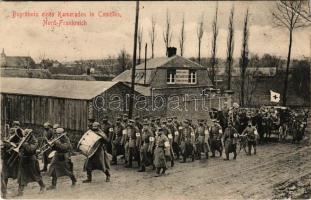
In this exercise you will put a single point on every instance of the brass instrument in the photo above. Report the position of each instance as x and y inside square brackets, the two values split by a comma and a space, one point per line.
[15, 138]
[50, 144]
[16, 150]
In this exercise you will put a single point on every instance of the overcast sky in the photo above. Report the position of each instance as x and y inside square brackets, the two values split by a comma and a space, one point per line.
[104, 36]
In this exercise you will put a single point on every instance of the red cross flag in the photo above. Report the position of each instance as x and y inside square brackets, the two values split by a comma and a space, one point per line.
[274, 96]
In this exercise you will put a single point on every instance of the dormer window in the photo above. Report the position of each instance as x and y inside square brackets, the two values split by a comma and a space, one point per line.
[192, 78]
[181, 76]
[171, 73]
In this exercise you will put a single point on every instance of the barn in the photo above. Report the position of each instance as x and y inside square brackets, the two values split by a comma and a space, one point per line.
[69, 103]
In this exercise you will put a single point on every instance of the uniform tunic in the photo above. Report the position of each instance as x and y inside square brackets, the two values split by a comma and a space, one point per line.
[61, 164]
[28, 170]
[117, 140]
[187, 141]
[201, 140]
[100, 159]
[215, 137]
[230, 139]
[145, 148]
[159, 155]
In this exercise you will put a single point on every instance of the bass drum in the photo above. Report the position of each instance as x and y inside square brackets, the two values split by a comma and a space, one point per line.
[89, 143]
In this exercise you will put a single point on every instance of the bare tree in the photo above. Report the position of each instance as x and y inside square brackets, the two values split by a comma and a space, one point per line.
[152, 35]
[167, 34]
[251, 80]
[230, 47]
[182, 36]
[287, 14]
[140, 40]
[124, 60]
[212, 71]
[200, 32]
[244, 56]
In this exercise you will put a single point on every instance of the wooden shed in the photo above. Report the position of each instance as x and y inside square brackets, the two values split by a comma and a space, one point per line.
[67, 102]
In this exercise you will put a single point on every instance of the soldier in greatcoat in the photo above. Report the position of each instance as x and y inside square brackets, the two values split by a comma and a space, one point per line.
[100, 159]
[61, 164]
[28, 169]
[161, 142]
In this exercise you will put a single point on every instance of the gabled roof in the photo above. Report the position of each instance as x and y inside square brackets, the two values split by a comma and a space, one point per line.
[176, 62]
[164, 62]
[18, 61]
[70, 89]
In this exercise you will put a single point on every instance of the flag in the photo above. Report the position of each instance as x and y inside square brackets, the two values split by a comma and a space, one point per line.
[274, 96]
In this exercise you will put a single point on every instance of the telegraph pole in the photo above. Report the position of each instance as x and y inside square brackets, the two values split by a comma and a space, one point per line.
[131, 108]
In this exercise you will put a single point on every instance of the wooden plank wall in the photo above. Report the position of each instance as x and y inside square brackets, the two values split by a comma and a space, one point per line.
[69, 113]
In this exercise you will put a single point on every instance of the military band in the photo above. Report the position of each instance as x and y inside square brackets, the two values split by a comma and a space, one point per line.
[151, 142]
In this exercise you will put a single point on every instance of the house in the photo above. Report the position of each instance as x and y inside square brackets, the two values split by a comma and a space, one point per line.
[69, 103]
[174, 78]
[21, 62]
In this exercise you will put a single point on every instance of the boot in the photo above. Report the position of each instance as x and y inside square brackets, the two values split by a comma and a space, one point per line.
[114, 161]
[20, 191]
[143, 169]
[3, 195]
[183, 159]
[206, 155]
[158, 172]
[42, 186]
[53, 186]
[107, 176]
[163, 171]
[73, 180]
[89, 178]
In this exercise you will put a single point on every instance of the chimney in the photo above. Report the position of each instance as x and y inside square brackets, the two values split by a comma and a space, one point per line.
[171, 51]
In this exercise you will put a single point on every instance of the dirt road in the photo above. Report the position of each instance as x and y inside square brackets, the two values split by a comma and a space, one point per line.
[257, 177]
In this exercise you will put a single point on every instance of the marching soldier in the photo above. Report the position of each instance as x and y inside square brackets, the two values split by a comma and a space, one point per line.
[99, 160]
[106, 129]
[215, 138]
[168, 134]
[28, 169]
[202, 144]
[159, 154]
[187, 141]
[130, 143]
[250, 132]
[47, 135]
[9, 170]
[173, 127]
[147, 138]
[116, 140]
[230, 141]
[61, 164]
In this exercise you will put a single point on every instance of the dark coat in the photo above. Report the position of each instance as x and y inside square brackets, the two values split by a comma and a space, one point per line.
[8, 171]
[28, 169]
[61, 164]
[100, 160]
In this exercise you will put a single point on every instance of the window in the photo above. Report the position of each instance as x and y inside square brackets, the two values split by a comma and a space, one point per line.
[181, 76]
[171, 76]
[192, 79]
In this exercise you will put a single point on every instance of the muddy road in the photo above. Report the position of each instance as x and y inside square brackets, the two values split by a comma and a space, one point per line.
[277, 171]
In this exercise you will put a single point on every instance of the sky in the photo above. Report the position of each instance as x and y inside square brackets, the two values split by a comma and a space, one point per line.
[106, 36]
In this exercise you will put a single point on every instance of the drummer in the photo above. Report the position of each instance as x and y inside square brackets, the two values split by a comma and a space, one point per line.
[99, 160]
